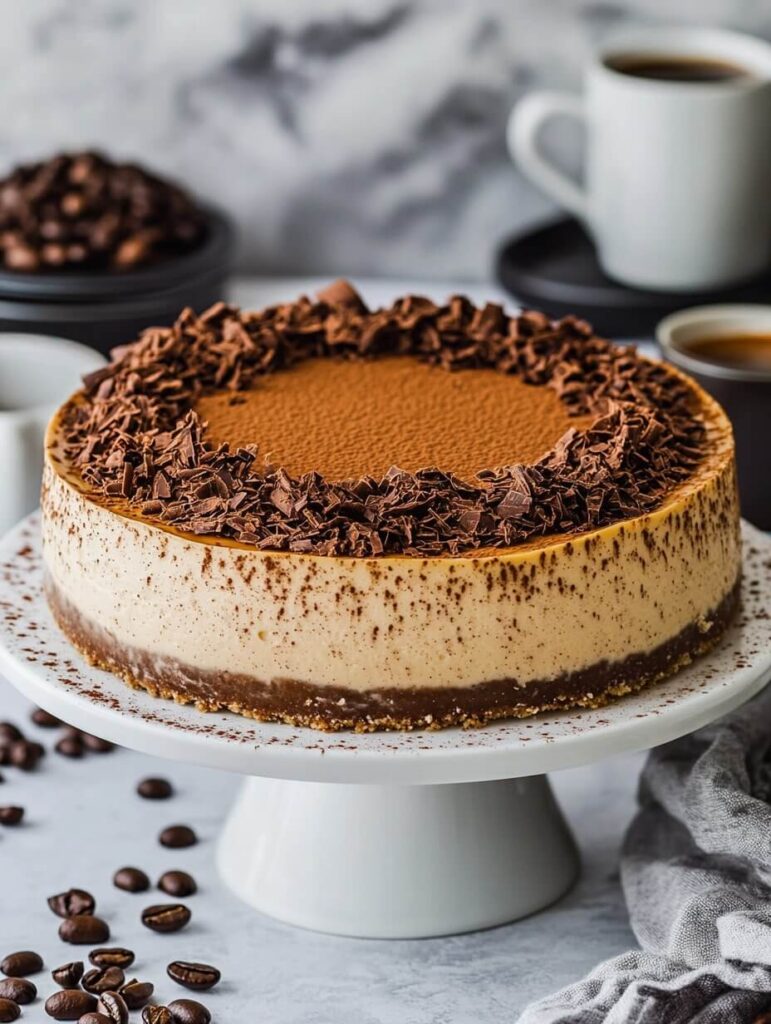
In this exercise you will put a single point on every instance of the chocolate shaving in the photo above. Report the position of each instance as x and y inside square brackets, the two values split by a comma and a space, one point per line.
[134, 434]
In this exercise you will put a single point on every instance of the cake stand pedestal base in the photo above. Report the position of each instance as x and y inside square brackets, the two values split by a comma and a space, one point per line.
[397, 861]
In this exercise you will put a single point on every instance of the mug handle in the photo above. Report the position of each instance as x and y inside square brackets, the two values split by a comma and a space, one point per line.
[525, 122]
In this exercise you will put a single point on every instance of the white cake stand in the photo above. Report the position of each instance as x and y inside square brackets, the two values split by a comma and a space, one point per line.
[442, 832]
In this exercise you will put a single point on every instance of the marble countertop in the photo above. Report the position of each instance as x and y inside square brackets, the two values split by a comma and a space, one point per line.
[83, 821]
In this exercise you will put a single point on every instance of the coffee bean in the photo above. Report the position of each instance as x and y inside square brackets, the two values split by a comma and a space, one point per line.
[137, 993]
[19, 990]
[25, 755]
[103, 979]
[69, 1004]
[70, 746]
[177, 883]
[68, 975]
[94, 1018]
[131, 880]
[44, 719]
[19, 965]
[21, 257]
[53, 254]
[113, 956]
[178, 836]
[199, 977]
[166, 917]
[9, 1010]
[10, 733]
[155, 789]
[156, 1015]
[72, 902]
[113, 1006]
[11, 815]
[188, 1011]
[84, 930]
[96, 744]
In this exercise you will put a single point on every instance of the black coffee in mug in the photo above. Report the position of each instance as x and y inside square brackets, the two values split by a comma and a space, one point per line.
[674, 68]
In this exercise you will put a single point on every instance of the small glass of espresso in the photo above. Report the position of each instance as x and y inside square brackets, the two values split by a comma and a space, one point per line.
[727, 349]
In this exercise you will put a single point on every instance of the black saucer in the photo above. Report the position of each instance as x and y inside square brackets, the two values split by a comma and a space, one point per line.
[555, 268]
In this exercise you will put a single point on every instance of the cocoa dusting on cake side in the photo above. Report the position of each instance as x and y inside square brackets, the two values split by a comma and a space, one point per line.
[134, 436]
[335, 708]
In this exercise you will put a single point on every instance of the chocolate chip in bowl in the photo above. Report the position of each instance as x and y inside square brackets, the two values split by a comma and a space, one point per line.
[94, 249]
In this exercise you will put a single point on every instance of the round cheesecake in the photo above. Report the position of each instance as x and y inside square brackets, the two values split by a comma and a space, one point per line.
[414, 517]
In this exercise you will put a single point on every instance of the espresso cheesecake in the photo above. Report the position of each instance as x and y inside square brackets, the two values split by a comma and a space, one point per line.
[412, 517]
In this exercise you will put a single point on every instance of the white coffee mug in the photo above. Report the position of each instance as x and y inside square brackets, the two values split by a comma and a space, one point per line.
[37, 373]
[676, 187]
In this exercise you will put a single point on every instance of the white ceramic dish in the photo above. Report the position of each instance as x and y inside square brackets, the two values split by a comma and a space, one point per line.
[675, 332]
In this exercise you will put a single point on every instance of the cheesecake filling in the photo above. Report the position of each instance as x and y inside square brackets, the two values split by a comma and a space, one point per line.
[520, 619]
[427, 707]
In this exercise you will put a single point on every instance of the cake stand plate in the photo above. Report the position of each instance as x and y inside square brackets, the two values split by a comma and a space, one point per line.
[385, 834]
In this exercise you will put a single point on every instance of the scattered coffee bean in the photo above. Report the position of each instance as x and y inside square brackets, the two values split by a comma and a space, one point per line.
[131, 880]
[113, 956]
[188, 1011]
[94, 1018]
[11, 815]
[96, 744]
[113, 1006]
[103, 979]
[70, 746]
[84, 930]
[178, 836]
[166, 917]
[19, 965]
[9, 1010]
[156, 1015]
[5, 754]
[72, 902]
[44, 719]
[18, 990]
[177, 883]
[68, 975]
[10, 733]
[199, 977]
[25, 755]
[137, 993]
[70, 1004]
[155, 789]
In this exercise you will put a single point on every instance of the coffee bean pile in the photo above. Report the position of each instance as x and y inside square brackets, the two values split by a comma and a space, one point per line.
[84, 211]
[103, 993]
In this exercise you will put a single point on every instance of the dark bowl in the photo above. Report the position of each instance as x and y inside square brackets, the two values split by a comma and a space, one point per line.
[108, 308]
[745, 394]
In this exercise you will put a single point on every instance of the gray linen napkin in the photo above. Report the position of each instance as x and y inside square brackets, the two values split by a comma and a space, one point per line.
[696, 872]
